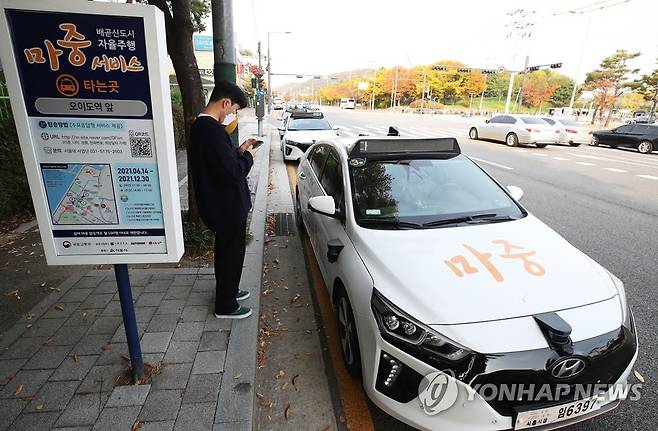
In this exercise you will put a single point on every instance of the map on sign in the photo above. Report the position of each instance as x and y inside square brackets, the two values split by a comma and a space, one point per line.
[80, 194]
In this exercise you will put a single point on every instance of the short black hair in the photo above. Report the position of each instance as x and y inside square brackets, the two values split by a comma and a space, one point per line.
[228, 90]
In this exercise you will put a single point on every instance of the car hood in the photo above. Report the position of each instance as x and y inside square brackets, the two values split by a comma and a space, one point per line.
[309, 136]
[480, 273]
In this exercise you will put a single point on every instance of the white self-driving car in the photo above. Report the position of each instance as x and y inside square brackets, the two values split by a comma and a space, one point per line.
[458, 308]
[301, 131]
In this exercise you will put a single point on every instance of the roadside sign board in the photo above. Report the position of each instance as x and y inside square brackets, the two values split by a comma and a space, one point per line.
[90, 98]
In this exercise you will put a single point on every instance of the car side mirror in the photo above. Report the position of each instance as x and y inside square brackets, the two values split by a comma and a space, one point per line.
[487, 121]
[516, 192]
[324, 205]
[336, 128]
[281, 129]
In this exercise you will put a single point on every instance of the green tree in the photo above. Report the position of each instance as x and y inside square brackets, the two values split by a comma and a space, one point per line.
[611, 80]
[647, 86]
[631, 101]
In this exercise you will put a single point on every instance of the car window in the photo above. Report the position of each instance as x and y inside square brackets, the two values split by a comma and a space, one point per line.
[496, 119]
[642, 129]
[308, 124]
[625, 129]
[317, 159]
[509, 120]
[532, 120]
[425, 190]
[332, 177]
[653, 130]
[549, 121]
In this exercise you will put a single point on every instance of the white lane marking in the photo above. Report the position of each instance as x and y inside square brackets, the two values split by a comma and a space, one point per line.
[491, 163]
[560, 158]
[616, 159]
[648, 177]
[539, 155]
[522, 151]
[586, 164]
[346, 133]
[614, 170]
[182, 181]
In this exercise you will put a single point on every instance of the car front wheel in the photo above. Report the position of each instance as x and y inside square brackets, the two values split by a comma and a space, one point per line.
[541, 145]
[349, 341]
[595, 141]
[512, 140]
[574, 144]
[645, 147]
[473, 133]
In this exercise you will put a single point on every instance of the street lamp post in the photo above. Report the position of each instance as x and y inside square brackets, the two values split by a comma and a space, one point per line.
[580, 60]
[269, 70]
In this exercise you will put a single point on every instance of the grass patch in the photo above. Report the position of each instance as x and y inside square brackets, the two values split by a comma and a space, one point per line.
[199, 240]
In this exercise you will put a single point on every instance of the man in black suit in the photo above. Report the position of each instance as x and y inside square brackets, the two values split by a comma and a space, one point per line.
[219, 172]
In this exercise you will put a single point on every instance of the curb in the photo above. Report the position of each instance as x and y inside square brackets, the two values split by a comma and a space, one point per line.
[237, 396]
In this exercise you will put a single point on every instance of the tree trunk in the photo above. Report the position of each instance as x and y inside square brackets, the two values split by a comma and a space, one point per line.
[596, 108]
[180, 47]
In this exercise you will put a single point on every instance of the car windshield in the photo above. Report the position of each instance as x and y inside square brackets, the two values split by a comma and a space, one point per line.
[549, 121]
[308, 124]
[570, 123]
[426, 191]
[532, 120]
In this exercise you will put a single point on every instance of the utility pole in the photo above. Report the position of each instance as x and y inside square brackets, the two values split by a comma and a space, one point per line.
[224, 48]
[509, 91]
[260, 109]
[519, 96]
[395, 89]
[422, 100]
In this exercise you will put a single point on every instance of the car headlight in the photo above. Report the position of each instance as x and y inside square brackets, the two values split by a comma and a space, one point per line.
[293, 143]
[623, 303]
[397, 326]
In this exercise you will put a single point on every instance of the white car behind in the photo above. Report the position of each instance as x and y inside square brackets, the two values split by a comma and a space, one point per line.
[570, 131]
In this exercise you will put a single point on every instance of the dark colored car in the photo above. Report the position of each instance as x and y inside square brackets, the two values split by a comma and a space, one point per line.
[644, 137]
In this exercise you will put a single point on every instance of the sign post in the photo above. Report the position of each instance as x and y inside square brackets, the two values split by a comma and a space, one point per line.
[93, 115]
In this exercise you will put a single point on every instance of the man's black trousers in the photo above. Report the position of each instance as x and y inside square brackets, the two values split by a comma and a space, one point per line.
[229, 258]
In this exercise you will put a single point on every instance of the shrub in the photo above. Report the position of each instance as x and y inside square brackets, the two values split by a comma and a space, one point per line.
[15, 199]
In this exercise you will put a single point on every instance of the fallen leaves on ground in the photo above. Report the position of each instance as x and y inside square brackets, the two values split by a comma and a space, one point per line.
[29, 316]
[16, 293]
[295, 382]
[237, 375]
[286, 412]
[137, 425]
[59, 307]
[19, 389]
[638, 376]
[280, 374]
[76, 357]
[39, 407]
[295, 298]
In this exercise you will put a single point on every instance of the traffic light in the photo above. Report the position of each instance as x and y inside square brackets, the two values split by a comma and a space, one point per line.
[556, 65]
[438, 67]
[488, 71]
[464, 69]
[532, 68]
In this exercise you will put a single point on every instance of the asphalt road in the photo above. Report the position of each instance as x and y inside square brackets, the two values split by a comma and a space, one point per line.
[604, 201]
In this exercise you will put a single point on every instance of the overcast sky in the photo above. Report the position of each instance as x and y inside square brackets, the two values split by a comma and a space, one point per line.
[339, 35]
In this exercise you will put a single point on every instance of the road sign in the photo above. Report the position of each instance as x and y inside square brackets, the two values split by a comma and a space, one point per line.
[91, 102]
[501, 69]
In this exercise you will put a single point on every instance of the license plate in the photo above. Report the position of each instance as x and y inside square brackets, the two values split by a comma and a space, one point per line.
[549, 415]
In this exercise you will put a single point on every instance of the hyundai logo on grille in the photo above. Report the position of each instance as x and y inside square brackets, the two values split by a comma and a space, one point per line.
[568, 368]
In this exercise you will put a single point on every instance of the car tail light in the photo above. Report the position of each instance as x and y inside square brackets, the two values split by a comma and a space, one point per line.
[529, 130]
[557, 130]
[571, 131]
[589, 133]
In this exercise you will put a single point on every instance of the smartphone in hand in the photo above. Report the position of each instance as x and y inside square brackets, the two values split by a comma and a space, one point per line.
[257, 144]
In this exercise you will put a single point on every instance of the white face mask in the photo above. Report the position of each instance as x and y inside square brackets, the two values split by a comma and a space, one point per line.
[229, 119]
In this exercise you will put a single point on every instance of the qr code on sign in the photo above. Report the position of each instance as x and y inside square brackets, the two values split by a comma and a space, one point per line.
[140, 147]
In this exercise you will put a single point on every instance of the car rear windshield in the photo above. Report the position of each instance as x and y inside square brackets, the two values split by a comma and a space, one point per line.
[549, 121]
[532, 120]
[308, 124]
[426, 190]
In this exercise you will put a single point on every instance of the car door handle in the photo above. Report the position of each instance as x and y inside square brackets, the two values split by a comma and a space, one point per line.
[302, 176]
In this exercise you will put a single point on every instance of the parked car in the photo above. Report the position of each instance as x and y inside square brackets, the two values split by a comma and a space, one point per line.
[444, 283]
[302, 130]
[515, 130]
[644, 137]
[570, 131]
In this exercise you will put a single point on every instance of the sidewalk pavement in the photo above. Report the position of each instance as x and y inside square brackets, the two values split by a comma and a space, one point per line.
[61, 364]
